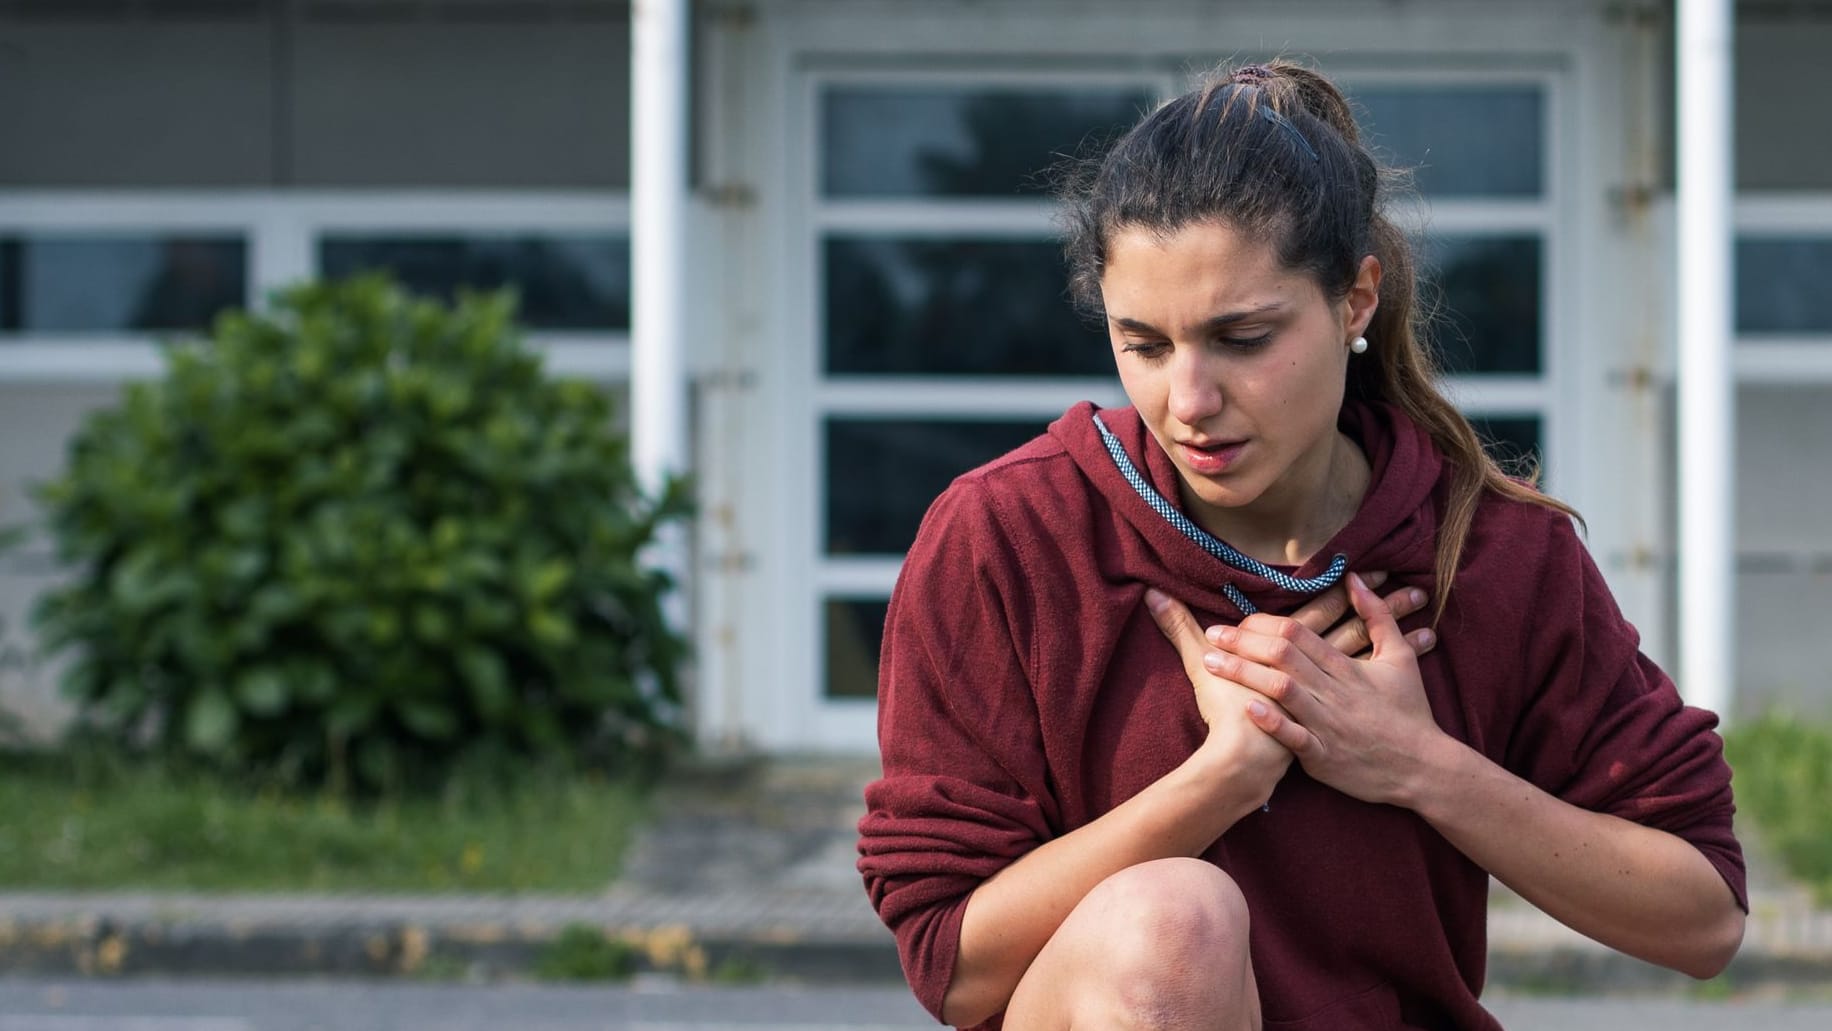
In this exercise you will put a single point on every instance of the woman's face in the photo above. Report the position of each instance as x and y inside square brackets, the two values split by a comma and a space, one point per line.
[1236, 364]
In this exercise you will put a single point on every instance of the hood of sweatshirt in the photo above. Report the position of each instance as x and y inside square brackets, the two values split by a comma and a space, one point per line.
[1394, 529]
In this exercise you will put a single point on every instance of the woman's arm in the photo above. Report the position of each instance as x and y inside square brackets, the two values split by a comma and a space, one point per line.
[1011, 916]
[1363, 727]
[1643, 891]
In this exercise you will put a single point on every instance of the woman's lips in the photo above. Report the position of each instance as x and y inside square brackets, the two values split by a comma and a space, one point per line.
[1211, 459]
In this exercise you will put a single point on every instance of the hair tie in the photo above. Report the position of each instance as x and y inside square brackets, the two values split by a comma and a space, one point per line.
[1284, 123]
[1252, 74]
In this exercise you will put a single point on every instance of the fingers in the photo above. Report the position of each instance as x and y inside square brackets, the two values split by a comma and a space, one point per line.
[1326, 609]
[1282, 728]
[1275, 657]
[1422, 641]
[1350, 636]
[1383, 628]
[1178, 626]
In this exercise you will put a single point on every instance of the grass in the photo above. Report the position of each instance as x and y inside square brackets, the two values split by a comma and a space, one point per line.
[1783, 778]
[72, 823]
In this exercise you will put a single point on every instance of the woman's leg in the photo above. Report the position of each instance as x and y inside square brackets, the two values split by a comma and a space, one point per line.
[1161, 946]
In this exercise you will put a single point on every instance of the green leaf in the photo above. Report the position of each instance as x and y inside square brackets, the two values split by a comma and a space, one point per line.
[487, 678]
[428, 719]
[262, 691]
[210, 722]
[544, 581]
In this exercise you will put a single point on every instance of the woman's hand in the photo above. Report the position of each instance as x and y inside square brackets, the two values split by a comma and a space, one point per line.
[1358, 725]
[1246, 756]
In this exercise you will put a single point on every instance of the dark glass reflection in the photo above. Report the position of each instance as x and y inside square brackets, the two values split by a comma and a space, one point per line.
[854, 633]
[883, 473]
[564, 282]
[1485, 296]
[1468, 141]
[119, 284]
[955, 307]
[913, 141]
[1514, 442]
[1781, 284]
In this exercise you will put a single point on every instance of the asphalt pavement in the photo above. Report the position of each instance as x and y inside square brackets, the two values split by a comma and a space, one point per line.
[660, 1005]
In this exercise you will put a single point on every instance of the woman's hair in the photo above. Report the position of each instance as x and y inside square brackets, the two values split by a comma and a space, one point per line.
[1273, 151]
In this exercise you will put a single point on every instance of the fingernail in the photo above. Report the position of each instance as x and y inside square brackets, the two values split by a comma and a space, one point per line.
[1211, 661]
[1427, 638]
[1417, 596]
[1375, 579]
[1258, 710]
[1154, 599]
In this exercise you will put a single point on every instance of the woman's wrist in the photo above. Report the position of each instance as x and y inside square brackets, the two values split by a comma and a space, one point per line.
[1216, 774]
[1444, 768]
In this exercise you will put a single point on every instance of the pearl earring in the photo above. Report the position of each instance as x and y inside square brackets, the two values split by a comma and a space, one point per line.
[1360, 346]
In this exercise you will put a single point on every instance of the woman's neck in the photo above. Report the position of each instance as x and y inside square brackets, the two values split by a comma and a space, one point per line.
[1296, 517]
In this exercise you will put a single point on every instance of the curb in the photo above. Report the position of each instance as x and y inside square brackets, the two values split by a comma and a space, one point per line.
[790, 938]
[814, 937]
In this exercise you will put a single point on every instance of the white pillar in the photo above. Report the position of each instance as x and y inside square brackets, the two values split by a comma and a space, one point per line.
[658, 239]
[1706, 374]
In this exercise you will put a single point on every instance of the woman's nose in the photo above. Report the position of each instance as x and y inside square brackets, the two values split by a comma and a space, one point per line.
[1195, 391]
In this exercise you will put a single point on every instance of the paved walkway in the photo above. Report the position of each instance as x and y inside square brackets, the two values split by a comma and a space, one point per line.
[748, 869]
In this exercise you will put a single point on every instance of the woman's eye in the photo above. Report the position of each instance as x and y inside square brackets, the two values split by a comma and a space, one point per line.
[1246, 343]
[1146, 349]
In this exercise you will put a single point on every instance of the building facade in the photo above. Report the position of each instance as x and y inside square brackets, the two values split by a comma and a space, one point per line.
[877, 297]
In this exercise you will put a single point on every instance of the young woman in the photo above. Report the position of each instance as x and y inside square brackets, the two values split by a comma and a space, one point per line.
[1066, 835]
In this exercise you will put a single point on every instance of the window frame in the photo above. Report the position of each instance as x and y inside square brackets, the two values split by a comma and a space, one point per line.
[281, 230]
[854, 577]
[1782, 359]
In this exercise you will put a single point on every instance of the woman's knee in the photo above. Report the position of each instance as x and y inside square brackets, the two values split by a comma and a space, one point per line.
[1164, 945]
[1170, 906]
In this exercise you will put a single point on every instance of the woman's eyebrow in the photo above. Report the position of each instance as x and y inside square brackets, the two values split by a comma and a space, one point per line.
[1208, 325]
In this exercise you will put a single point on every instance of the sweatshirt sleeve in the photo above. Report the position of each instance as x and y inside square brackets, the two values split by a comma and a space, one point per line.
[1604, 727]
[963, 791]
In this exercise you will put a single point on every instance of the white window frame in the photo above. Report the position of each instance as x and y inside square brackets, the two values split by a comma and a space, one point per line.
[1777, 359]
[1547, 395]
[282, 229]
[837, 721]
[840, 721]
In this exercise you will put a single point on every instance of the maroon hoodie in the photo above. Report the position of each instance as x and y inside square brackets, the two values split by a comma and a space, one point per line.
[1024, 691]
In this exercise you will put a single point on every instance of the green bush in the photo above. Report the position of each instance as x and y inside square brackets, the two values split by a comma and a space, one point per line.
[1783, 776]
[357, 540]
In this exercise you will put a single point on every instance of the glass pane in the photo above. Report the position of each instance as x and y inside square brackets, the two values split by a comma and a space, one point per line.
[916, 141]
[855, 633]
[1781, 284]
[566, 282]
[883, 473]
[1467, 141]
[114, 284]
[955, 307]
[1513, 441]
[1485, 294]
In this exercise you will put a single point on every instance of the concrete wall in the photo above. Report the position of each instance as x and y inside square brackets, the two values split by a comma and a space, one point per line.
[38, 421]
[1783, 85]
[1784, 530]
[297, 97]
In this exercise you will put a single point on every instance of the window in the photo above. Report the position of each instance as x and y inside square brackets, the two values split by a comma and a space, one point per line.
[89, 282]
[118, 282]
[946, 337]
[1478, 153]
[562, 282]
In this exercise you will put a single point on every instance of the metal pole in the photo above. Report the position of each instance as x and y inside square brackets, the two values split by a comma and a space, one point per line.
[658, 236]
[1706, 374]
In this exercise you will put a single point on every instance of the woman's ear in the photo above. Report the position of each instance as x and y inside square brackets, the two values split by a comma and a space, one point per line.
[1363, 297]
